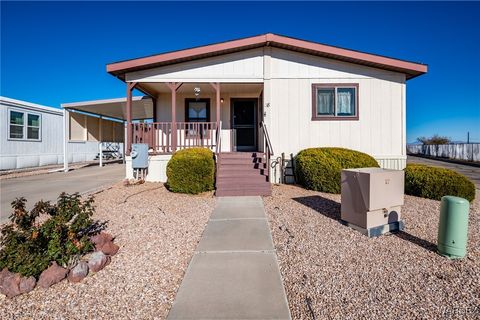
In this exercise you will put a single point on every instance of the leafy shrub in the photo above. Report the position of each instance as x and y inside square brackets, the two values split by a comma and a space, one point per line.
[191, 171]
[434, 183]
[59, 232]
[320, 168]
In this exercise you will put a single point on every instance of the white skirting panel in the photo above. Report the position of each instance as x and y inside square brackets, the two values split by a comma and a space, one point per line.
[157, 168]
[396, 163]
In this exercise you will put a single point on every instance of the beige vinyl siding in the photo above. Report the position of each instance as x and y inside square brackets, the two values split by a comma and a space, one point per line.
[380, 130]
[245, 66]
[77, 126]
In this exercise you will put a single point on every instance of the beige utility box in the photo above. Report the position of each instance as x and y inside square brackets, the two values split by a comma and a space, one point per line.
[372, 200]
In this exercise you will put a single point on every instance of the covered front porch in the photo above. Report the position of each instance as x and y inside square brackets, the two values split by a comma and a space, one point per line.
[219, 116]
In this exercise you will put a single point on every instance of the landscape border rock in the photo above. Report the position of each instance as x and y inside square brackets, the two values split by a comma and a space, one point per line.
[79, 272]
[52, 275]
[9, 283]
[98, 261]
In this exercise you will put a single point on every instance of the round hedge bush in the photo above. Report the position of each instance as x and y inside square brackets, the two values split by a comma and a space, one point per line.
[434, 183]
[191, 171]
[319, 168]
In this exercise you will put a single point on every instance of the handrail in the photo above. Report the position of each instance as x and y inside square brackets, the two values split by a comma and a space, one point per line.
[218, 147]
[268, 147]
[267, 137]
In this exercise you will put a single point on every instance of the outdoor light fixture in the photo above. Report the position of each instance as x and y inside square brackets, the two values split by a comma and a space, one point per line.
[221, 100]
[196, 90]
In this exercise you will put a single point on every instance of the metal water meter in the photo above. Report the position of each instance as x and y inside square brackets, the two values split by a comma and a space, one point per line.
[139, 156]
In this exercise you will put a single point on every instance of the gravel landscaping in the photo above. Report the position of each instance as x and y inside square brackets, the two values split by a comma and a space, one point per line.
[157, 232]
[333, 272]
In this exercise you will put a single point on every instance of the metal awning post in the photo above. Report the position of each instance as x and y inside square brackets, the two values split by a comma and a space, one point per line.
[66, 131]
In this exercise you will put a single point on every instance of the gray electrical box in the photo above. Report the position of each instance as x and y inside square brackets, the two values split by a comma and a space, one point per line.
[139, 156]
[372, 199]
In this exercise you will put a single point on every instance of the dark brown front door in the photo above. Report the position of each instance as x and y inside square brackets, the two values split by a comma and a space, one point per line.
[244, 124]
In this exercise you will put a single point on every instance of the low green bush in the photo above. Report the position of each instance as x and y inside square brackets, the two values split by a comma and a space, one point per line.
[191, 171]
[320, 168]
[59, 232]
[434, 183]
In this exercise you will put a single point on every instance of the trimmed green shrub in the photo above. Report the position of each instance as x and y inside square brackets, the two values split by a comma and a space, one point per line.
[191, 171]
[29, 245]
[319, 168]
[434, 183]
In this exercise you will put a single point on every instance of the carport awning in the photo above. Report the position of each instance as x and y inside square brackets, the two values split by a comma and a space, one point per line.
[142, 108]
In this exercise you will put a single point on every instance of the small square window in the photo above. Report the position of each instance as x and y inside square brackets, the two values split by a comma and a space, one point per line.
[24, 125]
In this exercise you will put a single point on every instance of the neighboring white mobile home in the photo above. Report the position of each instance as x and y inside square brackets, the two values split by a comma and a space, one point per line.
[269, 95]
[32, 135]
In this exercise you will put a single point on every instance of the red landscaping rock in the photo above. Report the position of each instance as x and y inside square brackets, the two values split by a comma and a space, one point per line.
[98, 261]
[9, 283]
[27, 284]
[100, 239]
[109, 248]
[79, 272]
[52, 275]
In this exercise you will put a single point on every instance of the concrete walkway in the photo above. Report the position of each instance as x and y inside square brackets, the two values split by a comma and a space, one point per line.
[234, 272]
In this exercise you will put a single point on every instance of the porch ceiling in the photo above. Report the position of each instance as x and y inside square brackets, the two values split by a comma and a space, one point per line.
[142, 108]
[206, 88]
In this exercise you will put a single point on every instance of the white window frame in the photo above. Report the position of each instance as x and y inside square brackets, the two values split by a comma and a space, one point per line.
[25, 125]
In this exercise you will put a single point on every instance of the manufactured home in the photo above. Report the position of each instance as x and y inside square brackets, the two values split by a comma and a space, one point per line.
[32, 135]
[251, 100]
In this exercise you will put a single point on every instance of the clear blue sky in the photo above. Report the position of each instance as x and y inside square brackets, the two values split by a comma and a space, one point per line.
[56, 52]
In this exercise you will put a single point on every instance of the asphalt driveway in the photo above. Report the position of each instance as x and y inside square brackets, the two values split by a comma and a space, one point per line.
[49, 186]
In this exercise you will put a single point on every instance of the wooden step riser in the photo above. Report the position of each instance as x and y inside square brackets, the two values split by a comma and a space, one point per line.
[228, 166]
[256, 179]
[243, 185]
[242, 174]
[241, 161]
[225, 155]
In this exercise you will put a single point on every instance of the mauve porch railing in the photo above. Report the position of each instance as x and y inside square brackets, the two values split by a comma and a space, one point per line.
[161, 137]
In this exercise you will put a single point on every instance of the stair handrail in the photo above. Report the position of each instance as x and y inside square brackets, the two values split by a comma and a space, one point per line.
[267, 138]
[268, 147]
[218, 146]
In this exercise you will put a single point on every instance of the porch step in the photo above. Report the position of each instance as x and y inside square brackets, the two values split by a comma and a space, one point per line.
[241, 166]
[242, 155]
[240, 160]
[242, 174]
[240, 180]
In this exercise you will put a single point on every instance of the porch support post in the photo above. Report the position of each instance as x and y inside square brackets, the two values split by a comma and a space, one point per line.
[216, 86]
[130, 87]
[154, 101]
[173, 88]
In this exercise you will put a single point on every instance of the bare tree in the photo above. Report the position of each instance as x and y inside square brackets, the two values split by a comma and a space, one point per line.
[435, 139]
